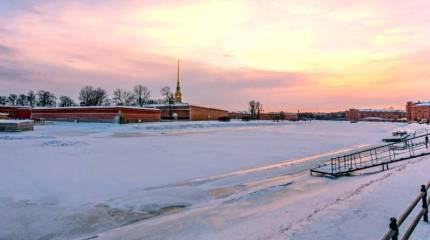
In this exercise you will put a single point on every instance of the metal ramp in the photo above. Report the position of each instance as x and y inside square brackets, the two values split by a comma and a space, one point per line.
[412, 147]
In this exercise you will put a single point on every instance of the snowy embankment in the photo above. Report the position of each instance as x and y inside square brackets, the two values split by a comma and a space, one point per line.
[222, 180]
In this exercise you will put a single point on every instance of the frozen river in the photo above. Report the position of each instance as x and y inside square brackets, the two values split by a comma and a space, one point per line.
[72, 180]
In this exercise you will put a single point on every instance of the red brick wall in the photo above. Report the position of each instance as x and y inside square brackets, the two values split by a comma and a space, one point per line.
[353, 115]
[131, 115]
[417, 113]
[182, 113]
[198, 113]
[238, 115]
[16, 112]
[190, 112]
[94, 114]
[356, 114]
[409, 106]
[167, 111]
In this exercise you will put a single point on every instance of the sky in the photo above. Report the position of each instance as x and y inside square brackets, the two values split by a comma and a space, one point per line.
[310, 55]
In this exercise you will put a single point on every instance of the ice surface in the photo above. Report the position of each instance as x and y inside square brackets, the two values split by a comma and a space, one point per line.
[14, 121]
[207, 180]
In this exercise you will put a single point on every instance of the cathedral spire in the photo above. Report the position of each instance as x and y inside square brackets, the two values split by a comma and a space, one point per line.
[178, 94]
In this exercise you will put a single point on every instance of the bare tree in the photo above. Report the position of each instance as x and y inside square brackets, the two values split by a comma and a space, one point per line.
[12, 99]
[31, 98]
[128, 98]
[259, 109]
[117, 97]
[142, 95]
[86, 96]
[255, 108]
[171, 99]
[46, 99]
[252, 107]
[167, 94]
[22, 100]
[90, 96]
[156, 101]
[122, 97]
[3, 100]
[107, 102]
[66, 101]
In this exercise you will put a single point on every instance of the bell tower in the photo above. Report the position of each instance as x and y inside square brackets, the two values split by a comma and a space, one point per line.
[178, 94]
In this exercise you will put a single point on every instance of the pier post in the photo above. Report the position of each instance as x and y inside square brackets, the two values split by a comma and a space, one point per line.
[389, 153]
[359, 155]
[424, 203]
[376, 156]
[331, 162]
[393, 226]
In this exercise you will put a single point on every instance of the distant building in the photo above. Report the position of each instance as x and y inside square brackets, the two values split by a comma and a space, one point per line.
[239, 115]
[265, 116]
[178, 93]
[177, 110]
[418, 111]
[114, 114]
[185, 111]
[335, 116]
[375, 115]
[278, 116]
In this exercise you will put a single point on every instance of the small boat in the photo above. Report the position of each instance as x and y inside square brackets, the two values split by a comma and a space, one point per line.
[398, 136]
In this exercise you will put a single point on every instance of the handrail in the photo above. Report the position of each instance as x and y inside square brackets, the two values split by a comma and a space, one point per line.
[385, 154]
[382, 155]
[393, 232]
[385, 145]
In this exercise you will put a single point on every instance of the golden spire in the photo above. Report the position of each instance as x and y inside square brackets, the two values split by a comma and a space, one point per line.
[178, 94]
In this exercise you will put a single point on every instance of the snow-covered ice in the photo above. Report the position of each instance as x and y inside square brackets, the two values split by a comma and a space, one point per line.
[14, 121]
[197, 180]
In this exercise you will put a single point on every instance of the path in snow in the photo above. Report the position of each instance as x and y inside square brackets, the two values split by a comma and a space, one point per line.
[295, 207]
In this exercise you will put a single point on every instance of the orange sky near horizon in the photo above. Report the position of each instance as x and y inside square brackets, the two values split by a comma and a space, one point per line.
[308, 54]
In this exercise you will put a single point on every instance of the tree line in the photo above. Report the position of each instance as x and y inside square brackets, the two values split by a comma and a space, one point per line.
[323, 116]
[89, 96]
[255, 108]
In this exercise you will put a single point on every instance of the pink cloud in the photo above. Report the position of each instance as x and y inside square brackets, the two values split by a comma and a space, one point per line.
[310, 55]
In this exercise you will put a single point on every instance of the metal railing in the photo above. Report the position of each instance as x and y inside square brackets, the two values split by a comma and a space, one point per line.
[423, 131]
[395, 223]
[379, 155]
[414, 146]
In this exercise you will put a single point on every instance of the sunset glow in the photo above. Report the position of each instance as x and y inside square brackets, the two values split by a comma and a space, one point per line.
[307, 54]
